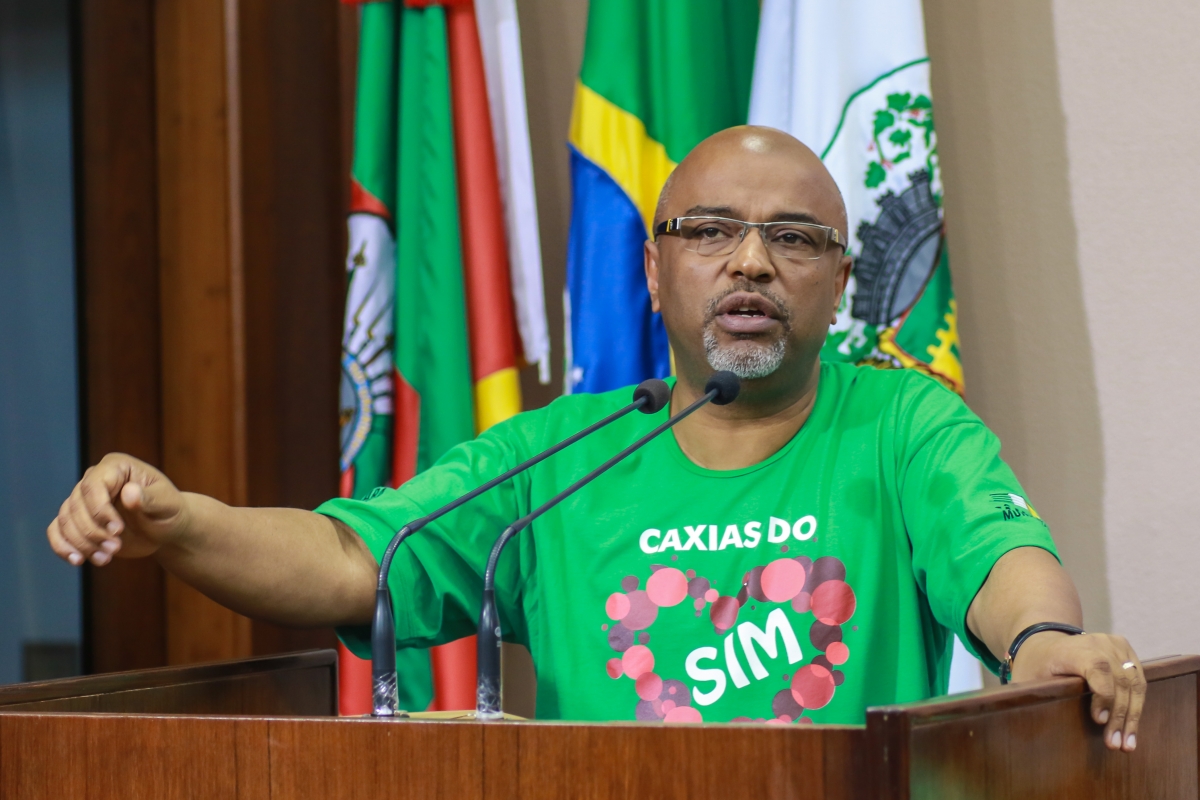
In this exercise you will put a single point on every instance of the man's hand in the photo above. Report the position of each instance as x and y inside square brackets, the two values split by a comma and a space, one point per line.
[1118, 692]
[1028, 585]
[283, 565]
[120, 506]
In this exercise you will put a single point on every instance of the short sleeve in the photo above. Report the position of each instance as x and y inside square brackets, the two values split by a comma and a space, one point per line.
[962, 505]
[436, 579]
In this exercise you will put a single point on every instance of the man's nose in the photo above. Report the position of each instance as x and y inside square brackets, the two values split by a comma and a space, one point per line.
[751, 259]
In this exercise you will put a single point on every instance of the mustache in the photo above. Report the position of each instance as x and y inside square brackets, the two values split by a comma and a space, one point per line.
[744, 285]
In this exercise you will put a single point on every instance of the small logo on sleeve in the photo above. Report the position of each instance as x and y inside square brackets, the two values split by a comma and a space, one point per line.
[1013, 506]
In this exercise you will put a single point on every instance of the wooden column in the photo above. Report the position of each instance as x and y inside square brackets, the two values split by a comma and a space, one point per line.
[212, 280]
[202, 301]
[117, 269]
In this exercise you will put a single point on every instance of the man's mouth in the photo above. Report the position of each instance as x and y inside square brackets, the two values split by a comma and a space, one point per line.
[747, 313]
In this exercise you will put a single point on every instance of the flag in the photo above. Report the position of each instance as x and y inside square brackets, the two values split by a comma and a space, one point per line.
[430, 304]
[658, 76]
[500, 41]
[851, 81]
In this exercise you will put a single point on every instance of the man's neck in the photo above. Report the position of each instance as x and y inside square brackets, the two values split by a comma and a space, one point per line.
[750, 430]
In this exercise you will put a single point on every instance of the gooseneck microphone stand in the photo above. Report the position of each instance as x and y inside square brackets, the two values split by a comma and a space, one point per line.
[650, 396]
[721, 389]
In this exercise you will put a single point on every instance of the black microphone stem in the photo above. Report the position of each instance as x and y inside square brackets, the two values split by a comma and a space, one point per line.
[487, 690]
[384, 701]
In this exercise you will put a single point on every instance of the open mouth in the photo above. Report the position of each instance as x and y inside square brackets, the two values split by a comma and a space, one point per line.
[747, 313]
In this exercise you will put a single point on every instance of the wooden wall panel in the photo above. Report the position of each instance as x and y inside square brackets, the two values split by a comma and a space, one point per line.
[203, 394]
[292, 187]
[117, 251]
[212, 183]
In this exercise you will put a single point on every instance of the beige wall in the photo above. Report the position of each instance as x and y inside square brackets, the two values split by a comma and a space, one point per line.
[1130, 78]
[1064, 129]
[1066, 133]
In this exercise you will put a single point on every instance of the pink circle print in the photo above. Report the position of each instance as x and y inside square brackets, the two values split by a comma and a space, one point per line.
[667, 587]
[812, 686]
[642, 611]
[637, 661]
[837, 653]
[683, 714]
[782, 580]
[833, 602]
[617, 606]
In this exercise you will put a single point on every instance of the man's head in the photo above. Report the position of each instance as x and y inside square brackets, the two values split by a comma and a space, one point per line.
[763, 309]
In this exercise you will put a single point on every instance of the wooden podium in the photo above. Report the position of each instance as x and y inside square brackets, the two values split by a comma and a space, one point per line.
[266, 728]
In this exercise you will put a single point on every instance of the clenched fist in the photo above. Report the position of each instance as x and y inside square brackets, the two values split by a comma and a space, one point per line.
[121, 506]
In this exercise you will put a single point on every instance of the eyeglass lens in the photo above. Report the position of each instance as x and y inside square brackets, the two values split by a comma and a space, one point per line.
[796, 241]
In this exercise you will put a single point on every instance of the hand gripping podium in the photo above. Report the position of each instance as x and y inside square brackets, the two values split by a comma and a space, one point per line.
[265, 728]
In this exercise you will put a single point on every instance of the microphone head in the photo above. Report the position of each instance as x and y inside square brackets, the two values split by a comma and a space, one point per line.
[656, 392]
[726, 385]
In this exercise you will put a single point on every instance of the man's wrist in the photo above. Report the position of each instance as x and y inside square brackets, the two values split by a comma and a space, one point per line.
[195, 513]
[1029, 637]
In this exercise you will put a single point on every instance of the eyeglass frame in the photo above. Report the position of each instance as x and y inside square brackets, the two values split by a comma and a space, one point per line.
[674, 227]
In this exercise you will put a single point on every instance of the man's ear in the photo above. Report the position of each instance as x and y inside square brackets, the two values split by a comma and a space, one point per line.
[839, 282]
[650, 257]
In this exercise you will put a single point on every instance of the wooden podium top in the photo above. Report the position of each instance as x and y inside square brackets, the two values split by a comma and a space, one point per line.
[264, 728]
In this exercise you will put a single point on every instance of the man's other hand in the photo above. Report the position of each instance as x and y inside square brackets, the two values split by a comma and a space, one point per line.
[120, 506]
[1118, 691]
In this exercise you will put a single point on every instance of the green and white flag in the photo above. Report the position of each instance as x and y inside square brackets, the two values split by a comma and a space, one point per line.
[850, 79]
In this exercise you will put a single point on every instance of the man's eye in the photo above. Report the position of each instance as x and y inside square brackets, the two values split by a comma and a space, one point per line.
[793, 238]
[710, 232]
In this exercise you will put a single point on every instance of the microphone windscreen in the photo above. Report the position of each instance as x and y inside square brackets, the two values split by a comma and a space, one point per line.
[726, 385]
[656, 392]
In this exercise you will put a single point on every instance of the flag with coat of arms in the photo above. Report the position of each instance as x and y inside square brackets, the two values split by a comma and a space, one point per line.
[444, 297]
[851, 80]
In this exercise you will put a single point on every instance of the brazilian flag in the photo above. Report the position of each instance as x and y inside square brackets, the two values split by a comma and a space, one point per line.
[658, 76]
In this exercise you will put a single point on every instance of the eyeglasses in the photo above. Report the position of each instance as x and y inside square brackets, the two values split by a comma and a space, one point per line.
[720, 236]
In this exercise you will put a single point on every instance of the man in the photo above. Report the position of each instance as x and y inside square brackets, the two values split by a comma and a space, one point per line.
[797, 555]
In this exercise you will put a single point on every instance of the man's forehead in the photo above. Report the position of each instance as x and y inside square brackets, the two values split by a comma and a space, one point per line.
[775, 198]
[758, 175]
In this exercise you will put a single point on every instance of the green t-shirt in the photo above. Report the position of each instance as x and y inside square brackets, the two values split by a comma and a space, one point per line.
[823, 580]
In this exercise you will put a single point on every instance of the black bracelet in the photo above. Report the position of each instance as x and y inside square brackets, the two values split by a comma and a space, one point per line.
[1006, 665]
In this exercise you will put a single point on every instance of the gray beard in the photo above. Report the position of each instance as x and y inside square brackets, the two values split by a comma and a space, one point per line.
[756, 361]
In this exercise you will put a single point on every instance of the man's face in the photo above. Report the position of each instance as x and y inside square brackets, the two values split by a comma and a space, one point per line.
[750, 311]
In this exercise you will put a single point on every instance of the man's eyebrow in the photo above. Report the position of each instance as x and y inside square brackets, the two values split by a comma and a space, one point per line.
[710, 211]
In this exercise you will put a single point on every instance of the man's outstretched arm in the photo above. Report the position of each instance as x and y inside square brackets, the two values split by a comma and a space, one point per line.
[283, 565]
[1027, 586]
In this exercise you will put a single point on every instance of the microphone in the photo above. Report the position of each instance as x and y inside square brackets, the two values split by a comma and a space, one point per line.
[649, 396]
[722, 388]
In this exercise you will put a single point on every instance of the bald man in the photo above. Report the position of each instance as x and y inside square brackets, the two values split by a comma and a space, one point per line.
[800, 554]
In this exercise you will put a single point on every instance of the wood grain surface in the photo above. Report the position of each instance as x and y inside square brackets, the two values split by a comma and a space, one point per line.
[1023, 741]
[1037, 740]
[211, 195]
[116, 184]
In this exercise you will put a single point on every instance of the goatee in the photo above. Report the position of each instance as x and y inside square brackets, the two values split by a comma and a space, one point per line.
[746, 358]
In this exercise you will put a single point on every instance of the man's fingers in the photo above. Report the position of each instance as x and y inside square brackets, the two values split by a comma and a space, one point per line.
[84, 521]
[60, 545]
[1100, 680]
[98, 500]
[1122, 681]
[71, 533]
[1137, 698]
[103, 544]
